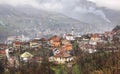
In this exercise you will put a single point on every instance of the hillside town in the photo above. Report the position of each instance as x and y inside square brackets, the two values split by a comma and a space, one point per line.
[66, 50]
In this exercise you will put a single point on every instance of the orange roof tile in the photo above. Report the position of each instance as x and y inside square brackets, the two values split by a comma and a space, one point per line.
[2, 52]
[55, 38]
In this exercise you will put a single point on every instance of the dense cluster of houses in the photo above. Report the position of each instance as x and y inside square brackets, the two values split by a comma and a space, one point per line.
[92, 42]
[60, 49]
[17, 51]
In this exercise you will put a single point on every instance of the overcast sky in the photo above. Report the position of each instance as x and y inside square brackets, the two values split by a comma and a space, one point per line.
[69, 7]
[62, 4]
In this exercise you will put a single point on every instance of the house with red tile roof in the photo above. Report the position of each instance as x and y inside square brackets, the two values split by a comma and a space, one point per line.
[55, 41]
[17, 44]
[61, 58]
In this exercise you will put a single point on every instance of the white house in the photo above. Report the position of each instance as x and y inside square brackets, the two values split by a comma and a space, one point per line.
[69, 37]
[61, 58]
[26, 56]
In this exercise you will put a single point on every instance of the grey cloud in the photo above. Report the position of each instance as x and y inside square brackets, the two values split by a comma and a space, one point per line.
[109, 4]
[72, 8]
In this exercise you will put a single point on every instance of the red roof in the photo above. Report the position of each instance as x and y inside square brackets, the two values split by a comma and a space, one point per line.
[55, 38]
[43, 39]
[62, 55]
[18, 43]
[2, 52]
[69, 35]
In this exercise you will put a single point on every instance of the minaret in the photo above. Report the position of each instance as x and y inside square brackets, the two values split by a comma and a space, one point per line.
[72, 31]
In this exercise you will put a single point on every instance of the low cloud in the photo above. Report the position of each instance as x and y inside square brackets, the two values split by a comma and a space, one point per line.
[70, 7]
[19, 2]
[111, 4]
[63, 4]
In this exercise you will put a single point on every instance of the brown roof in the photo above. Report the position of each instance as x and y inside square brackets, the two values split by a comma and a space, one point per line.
[2, 52]
[24, 43]
[69, 35]
[62, 49]
[55, 38]
[66, 47]
[62, 55]
[43, 39]
[18, 43]
[35, 40]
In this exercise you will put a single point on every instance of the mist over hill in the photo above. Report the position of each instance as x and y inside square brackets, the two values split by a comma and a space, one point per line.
[30, 21]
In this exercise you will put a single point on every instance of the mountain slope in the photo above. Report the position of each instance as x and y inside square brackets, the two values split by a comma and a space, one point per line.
[114, 16]
[31, 21]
